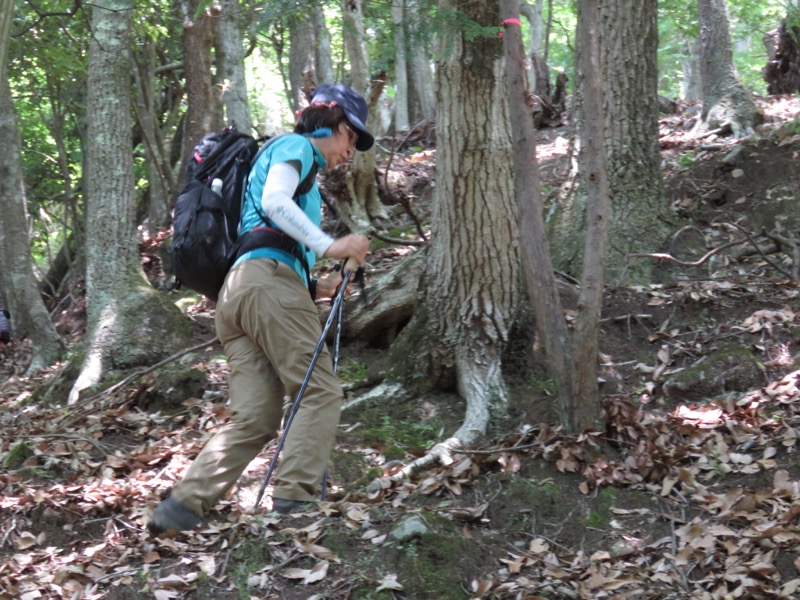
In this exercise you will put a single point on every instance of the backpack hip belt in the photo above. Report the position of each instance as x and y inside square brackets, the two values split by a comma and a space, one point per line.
[268, 237]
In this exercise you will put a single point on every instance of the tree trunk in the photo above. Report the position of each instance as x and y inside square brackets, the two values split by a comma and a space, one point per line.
[125, 315]
[538, 71]
[585, 408]
[782, 72]
[727, 105]
[400, 67]
[422, 95]
[6, 17]
[627, 62]
[302, 73]
[230, 65]
[457, 336]
[197, 41]
[159, 173]
[535, 250]
[692, 79]
[18, 287]
[363, 202]
[322, 47]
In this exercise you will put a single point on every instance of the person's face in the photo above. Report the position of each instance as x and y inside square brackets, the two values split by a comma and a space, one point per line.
[343, 146]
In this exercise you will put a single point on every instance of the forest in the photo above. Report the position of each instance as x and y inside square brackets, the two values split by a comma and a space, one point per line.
[569, 368]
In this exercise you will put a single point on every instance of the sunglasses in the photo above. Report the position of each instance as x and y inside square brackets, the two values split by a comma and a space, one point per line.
[352, 136]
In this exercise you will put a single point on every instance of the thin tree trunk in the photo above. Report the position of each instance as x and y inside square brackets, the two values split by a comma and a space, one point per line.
[18, 285]
[197, 41]
[541, 285]
[363, 202]
[690, 65]
[159, 174]
[400, 67]
[302, 74]
[585, 408]
[422, 99]
[230, 65]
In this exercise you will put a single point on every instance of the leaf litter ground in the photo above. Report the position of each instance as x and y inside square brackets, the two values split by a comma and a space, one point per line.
[677, 498]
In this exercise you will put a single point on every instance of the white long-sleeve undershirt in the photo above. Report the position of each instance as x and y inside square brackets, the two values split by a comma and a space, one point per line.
[281, 209]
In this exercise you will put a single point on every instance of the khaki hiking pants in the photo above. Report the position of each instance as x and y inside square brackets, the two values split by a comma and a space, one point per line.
[269, 328]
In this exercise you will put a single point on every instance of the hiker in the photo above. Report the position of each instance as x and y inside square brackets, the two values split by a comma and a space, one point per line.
[5, 326]
[268, 324]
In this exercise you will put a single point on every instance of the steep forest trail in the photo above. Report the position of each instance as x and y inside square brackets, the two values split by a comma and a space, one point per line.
[691, 492]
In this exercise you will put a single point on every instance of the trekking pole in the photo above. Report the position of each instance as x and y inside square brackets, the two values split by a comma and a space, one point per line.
[335, 310]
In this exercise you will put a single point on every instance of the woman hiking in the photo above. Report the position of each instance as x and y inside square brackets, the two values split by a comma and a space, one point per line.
[267, 321]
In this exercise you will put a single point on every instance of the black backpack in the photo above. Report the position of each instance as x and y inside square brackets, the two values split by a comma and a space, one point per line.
[205, 240]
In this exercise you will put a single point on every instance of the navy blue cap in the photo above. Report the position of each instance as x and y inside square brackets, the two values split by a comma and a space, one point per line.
[354, 106]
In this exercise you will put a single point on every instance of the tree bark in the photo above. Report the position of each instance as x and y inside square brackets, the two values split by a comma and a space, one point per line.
[18, 288]
[782, 72]
[727, 105]
[640, 220]
[302, 71]
[125, 315]
[363, 202]
[535, 250]
[322, 47]
[422, 96]
[472, 272]
[230, 65]
[159, 174]
[6, 17]
[585, 408]
[197, 41]
[400, 67]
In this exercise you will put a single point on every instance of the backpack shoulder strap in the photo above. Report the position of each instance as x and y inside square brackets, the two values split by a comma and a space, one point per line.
[302, 188]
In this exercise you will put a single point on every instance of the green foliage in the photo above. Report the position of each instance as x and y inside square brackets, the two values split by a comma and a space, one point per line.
[448, 20]
[687, 159]
[352, 371]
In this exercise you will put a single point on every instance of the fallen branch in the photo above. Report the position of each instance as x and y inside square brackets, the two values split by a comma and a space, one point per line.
[77, 414]
[441, 452]
[118, 386]
[748, 238]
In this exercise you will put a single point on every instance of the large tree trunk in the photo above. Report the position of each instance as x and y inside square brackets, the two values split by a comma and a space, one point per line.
[458, 333]
[727, 105]
[129, 323]
[627, 62]
[230, 65]
[18, 288]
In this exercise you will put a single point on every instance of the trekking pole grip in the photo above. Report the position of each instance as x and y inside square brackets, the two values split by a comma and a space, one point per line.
[350, 265]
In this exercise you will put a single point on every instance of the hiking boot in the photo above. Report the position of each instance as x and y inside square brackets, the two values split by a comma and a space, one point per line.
[171, 514]
[285, 507]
